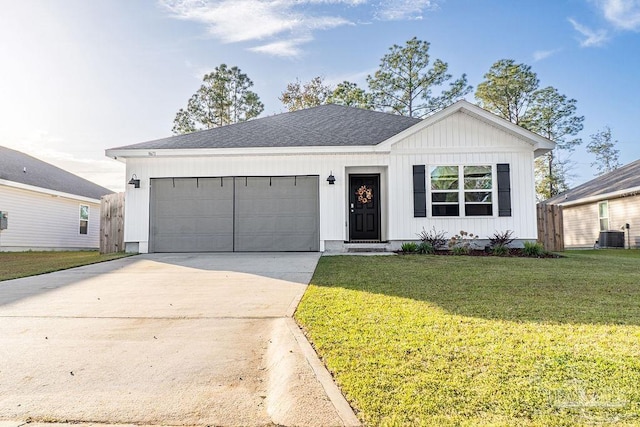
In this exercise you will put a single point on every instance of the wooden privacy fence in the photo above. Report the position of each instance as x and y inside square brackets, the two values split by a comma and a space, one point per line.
[550, 232]
[112, 223]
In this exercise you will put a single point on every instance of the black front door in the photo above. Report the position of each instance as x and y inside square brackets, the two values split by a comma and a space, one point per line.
[364, 207]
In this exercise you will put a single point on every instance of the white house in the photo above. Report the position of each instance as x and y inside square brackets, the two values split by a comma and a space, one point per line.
[46, 208]
[605, 210]
[329, 177]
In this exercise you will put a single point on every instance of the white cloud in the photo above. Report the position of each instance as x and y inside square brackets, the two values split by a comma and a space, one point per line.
[539, 55]
[592, 38]
[284, 48]
[283, 26]
[623, 14]
[400, 10]
[233, 21]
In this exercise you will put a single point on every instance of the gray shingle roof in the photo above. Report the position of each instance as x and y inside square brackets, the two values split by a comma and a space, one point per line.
[326, 125]
[44, 175]
[625, 177]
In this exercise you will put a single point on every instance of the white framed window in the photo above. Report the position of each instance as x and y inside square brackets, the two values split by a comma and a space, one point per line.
[445, 190]
[461, 190]
[603, 215]
[84, 219]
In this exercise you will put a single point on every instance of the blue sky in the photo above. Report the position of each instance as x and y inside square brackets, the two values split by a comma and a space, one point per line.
[81, 76]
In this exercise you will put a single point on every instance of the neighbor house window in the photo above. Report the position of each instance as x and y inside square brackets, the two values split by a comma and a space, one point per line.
[84, 219]
[466, 189]
[603, 215]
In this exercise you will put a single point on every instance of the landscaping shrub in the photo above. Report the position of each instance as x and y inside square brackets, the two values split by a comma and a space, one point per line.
[500, 250]
[425, 248]
[501, 238]
[433, 237]
[461, 244]
[533, 249]
[460, 250]
[409, 247]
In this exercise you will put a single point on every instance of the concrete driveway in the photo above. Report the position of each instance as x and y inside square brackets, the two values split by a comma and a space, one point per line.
[171, 339]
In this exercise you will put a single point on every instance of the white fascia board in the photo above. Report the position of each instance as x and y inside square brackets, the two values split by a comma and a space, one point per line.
[109, 153]
[633, 191]
[539, 143]
[47, 191]
[257, 151]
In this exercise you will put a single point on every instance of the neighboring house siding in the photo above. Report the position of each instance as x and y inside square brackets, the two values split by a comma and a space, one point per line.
[462, 140]
[43, 221]
[580, 225]
[581, 222]
[626, 210]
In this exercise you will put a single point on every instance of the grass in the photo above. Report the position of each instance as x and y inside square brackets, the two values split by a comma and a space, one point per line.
[481, 341]
[14, 265]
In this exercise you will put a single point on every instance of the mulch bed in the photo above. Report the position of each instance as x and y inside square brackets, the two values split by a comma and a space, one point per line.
[513, 253]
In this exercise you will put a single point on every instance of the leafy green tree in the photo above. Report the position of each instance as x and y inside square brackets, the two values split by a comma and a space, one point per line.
[557, 179]
[604, 148]
[508, 89]
[224, 98]
[511, 91]
[404, 83]
[553, 116]
[305, 95]
[349, 94]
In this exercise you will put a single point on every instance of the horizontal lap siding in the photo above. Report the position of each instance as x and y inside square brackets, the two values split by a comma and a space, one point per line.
[581, 225]
[44, 221]
[626, 210]
[462, 140]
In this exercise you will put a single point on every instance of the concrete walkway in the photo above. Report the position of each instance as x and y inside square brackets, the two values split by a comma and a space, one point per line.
[165, 339]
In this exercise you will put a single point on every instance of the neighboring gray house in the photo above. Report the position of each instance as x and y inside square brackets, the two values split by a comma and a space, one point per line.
[45, 207]
[329, 178]
[605, 204]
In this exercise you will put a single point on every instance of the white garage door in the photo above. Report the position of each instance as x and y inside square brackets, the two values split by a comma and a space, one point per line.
[239, 214]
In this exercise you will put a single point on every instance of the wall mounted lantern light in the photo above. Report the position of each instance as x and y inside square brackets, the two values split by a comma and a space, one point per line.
[331, 179]
[134, 181]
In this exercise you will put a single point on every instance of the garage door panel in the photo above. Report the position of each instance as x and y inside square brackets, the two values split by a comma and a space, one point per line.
[241, 214]
[267, 207]
[191, 215]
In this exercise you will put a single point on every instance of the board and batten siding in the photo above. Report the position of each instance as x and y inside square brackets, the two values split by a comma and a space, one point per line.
[40, 221]
[333, 204]
[581, 224]
[457, 139]
[461, 140]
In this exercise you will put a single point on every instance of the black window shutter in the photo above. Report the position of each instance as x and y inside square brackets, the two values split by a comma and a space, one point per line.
[504, 190]
[419, 191]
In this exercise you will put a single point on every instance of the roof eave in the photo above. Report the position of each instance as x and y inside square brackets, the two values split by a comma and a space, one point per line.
[120, 154]
[541, 151]
[54, 193]
[633, 191]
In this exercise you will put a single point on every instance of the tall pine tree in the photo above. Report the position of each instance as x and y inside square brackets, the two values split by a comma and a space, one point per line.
[224, 98]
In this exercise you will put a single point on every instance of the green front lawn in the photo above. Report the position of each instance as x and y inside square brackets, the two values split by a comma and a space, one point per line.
[445, 340]
[22, 264]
